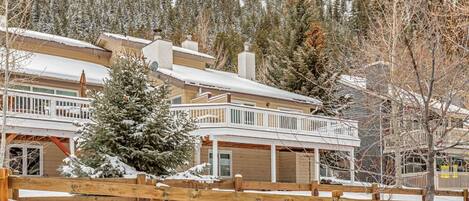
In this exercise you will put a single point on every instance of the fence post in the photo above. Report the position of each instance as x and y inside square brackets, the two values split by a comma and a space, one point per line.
[375, 194]
[3, 184]
[142, 180]
[424, 194]
[336, 195]
[238, 183]
[466, 195]
[315, 188]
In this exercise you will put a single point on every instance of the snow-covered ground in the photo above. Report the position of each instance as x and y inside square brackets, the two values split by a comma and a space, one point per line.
[31, 193]
[364, 196]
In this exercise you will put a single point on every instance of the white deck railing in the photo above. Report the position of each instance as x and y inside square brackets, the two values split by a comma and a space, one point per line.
[238, 116]
[42, 106]
[46, 106]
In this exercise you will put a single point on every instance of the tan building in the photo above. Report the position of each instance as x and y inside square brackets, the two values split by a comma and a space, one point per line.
[261, 132]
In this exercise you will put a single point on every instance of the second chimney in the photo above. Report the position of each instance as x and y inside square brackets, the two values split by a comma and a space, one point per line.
[247, 63]
[159, 52]
[190, 44]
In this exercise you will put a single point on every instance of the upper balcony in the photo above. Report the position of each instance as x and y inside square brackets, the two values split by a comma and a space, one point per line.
[44, 114]
[34, 113]
[247, 121]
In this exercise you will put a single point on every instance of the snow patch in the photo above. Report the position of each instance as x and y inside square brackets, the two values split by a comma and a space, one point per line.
[60, 67]
[50, 37]
[195, 174]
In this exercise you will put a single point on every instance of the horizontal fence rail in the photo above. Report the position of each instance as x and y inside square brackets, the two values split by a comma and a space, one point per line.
[47, 106]
[239, 116]
[141, 187]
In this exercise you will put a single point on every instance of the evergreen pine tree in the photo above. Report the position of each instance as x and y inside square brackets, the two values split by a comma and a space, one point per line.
[132, 124]
[298, 59]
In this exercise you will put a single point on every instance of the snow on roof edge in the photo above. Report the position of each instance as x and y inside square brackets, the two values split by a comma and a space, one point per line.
[50, 37]
[146, 42]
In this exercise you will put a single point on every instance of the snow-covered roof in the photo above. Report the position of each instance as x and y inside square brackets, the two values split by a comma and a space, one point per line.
[231, 82]
[60, 67]
[360, 83]
[146, 42]
[353, 81]
[50, 37]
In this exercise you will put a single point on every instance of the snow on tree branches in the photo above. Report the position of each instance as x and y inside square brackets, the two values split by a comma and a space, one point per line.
[132, 124]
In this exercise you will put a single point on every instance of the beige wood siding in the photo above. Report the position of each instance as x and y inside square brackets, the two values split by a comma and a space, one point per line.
[53, 158]
[304, 168]
[253, 164]
[287, 167]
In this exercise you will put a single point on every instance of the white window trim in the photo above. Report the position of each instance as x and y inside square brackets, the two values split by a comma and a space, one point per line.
[231, 161]
[24, 157]
[286, 109]
[245, 103]
[46, 87]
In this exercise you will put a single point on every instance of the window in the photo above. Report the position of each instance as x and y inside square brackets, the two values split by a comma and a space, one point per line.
[224, 163]
[21, 87]
[47, 90]
[43, 90]
[25, 159]
[176, 100]
[66, 93]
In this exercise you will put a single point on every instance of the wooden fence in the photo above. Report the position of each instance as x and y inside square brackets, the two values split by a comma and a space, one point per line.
[146, 189]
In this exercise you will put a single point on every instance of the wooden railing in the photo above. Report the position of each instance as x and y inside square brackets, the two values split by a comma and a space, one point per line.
[141, 187]
[238, 116]
[47, 106]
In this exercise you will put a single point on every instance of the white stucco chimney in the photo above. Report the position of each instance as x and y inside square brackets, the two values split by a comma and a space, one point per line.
[190, 44]
[247, 63]
[161, 52]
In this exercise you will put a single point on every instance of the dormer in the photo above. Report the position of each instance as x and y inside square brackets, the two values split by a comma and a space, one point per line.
[186, 55]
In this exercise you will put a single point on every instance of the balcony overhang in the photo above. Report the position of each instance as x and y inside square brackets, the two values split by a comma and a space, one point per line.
[40, 127]
[292, 139]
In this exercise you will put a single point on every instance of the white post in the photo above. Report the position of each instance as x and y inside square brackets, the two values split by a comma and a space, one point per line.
[71, 144]
[352, 165]
[197, 146]
[273, 163]
[317, 165]
[215, 157]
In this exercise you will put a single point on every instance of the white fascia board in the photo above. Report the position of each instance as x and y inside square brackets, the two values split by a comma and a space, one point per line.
[268, 135]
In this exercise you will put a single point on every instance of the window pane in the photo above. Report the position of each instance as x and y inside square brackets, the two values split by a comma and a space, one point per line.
[225, 165]
[43, 90]
[33, 161]
[21, 87]
[177, 100]
[16, 160]
[66, 93]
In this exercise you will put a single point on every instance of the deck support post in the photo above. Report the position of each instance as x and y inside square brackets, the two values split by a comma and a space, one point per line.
[352, 165]
[273, 163]
[317, 165]
[71, 144]
[215, 157]
[197, 146]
